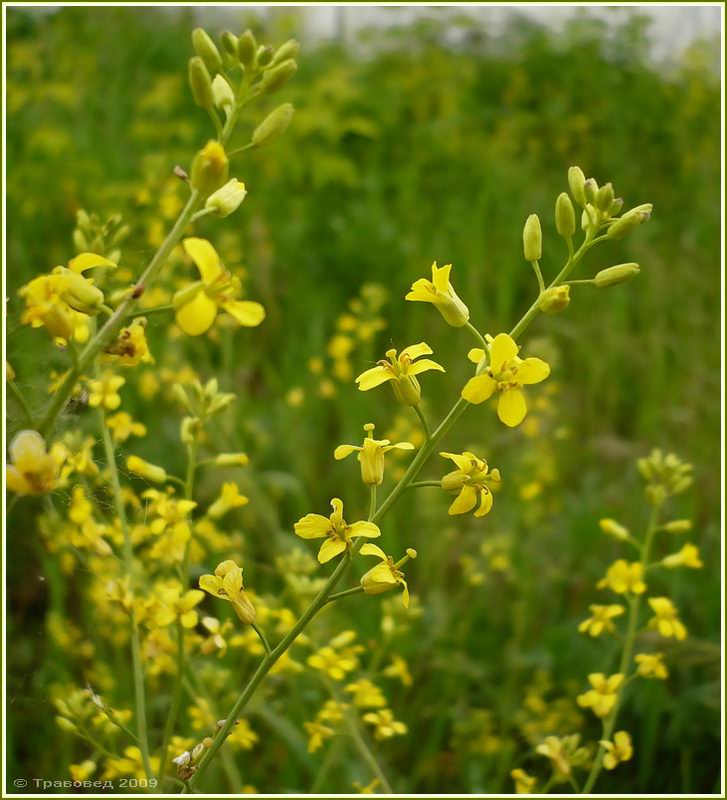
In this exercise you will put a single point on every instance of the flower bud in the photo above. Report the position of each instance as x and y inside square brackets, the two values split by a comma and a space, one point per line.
[227, 198]
[289, 49]
[565, 217]
[264, 55]
[231, 460]
[144, 469]
[555, 299]
[590, 190]
[275, 78]
[246, 49]
[206, 50]
[604, 198]
[210, 167]
[273, 126]
[614, 529]
[576, 181]
[615, 207]
[630, 220]
[79, 240]
[229, 44]
[407, 390]
[678, 526]
[532, 239]
[589, 218]
[618, 274]
[78, 292]
[222, 93]
[200, 83]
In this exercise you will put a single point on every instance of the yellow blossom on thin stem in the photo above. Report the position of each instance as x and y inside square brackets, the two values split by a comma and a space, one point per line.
[335, 530]
[196, 306]
[471, 481]
[624, 578]
[602, 696]
[371, 455]
[524, 783]
[440, 292]
[229, 498]
[175, 604]
[688, 556]
[123, 425]
[505, 373]
[104, 391]
[384, 576]
[600, 620]
[130, 347]
[144, 469]
[666, 618]
[384, 724]
[400, 371]
[227, 584]
[398, 668]
[617, 751]
[651, 665]
[366, 694]
[33, 469]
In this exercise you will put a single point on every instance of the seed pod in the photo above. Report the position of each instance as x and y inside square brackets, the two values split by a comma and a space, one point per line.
[289, 49]
[246, 49]
[565, 217]
[532, 239]
[206, 50]
[200, 83]
[615, 275]
[554, 300]
[630, 220]
[576, 181]
[273, 126]
[277, 77]
[604, 198]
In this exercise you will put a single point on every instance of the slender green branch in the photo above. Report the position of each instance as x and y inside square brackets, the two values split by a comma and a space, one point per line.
[480, 338]
[261, 635]
[538, 275]
[150, 312]
[423, 420]
[346, 593]
[22, 401]
[128, 566]
[425, 484]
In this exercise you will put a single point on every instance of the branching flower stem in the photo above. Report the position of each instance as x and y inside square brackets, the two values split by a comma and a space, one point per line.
[376, 515]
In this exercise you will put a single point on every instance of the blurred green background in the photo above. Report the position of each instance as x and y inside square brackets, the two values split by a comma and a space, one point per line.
[406, 149]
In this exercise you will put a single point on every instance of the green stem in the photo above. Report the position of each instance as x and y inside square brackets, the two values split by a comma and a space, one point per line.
[346, 593]
[424, 484]
[128, 553]
[423, 420]
[22, 401]
[261, 635]
[480, 338]
[538, 275]
[626, 654]
[150, 312]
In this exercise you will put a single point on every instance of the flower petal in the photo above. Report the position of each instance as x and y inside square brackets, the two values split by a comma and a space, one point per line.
[205, 258]
[312, 526]
[424, 365]
[330, 549]
[416, 350]
[370, 549]
[373, 377]
[511, 408]
[367, 529]
[478, 389]
[502, 350]
[247, 313]
[460, 459]
[532, 370]
[440, 277]
[465, 501]
[198, 315]
[84, 261]
[344, 450]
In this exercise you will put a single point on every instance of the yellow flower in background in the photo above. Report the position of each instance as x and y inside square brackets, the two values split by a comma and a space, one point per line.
[602, 696]
[384, 576]
[617, 751]
[506, 373]
[524, 783]
[196, 306]
[227, 584]
[688, 556]
[144, 469]
[471, 481]
[123, 426]
[229, 498]
[399, 669]
[171, 523]
[440, 292]
[33, 469]
[365, 694]
[384, 724]
[335, 530]
[666, 618]
[104, 391]
[600, 620]
[130, 347]
[317, 734]
[130, 764]
[371, 455]
[338, 657]
[176, 605]
[651, 665]
[83, 771]
[622, 578]
[401, 371]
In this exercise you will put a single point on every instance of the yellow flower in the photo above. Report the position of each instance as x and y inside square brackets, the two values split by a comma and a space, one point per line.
[317, 734]
[229, 498]
[104, 391]
[83, 771]
[471, 480]
[387, 574]
[174, 605]
[401, 371]
[600, 620]
[122, 426]
[622, 577]
[227, 198]
[384, 724]
[688, 556]
[371, 455]
[666, 618]
[197, 305]
[614, 529]
[506, 373]
[130, 764]
[334, 529]
[243, 735]
[144, 469]
[171, 524]
[366, 694]
[216, 638]
[563, 754]
[338, 657]
[440, 293]
[524, 783]
[130, 347]
[602, 697]
[398, 668]
[232, 460]
[651, 665]
[227, 584]
[617, 751]
[32, 469]
[210, 168]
